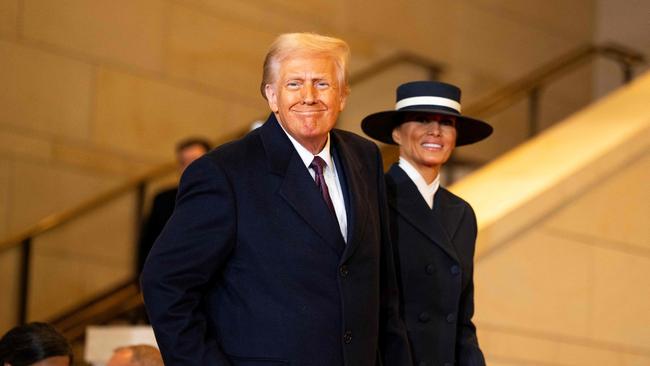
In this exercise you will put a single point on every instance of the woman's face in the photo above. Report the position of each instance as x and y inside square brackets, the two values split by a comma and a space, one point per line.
[53, 361]
[426, 140]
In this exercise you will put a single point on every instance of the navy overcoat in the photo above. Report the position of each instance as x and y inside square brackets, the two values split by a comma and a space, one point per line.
[251, 268]
[434, 255]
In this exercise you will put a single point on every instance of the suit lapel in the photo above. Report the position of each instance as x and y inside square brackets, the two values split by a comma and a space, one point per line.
[448, 213]
[298, 188]
[357, 209]
[405, 198]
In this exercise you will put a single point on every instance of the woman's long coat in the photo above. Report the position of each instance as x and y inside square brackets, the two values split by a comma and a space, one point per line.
[434, 252]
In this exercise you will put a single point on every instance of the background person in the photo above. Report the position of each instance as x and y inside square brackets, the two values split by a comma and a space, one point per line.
[187, 151]
[433, 231]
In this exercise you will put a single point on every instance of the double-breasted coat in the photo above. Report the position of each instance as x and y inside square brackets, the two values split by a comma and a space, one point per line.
[252, 269]
[434, 251]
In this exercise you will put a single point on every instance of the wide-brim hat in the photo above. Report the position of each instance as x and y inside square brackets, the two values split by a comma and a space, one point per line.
[429, 97]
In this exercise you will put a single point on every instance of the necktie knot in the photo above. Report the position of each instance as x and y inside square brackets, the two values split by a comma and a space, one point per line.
[318, 165]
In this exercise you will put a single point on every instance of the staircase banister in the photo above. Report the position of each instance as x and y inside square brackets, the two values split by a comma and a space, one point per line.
[548, 72]
[54, 220]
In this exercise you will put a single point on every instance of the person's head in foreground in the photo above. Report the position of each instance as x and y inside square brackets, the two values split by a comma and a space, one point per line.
[36, 344]
[427, 124]
[136, 355]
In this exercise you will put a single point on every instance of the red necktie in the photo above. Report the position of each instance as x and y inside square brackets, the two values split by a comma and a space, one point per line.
[318, 164]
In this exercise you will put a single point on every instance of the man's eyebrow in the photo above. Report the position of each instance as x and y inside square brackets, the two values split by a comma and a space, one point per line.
[310, 76]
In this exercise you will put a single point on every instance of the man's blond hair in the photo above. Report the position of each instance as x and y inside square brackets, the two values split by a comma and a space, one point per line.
[288, 44]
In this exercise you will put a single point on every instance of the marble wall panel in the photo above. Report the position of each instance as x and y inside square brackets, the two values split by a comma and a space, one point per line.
[44, 93]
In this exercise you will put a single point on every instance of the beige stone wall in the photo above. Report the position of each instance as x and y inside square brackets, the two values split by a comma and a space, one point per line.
[96, 91]
[563, 253]
[572, 289]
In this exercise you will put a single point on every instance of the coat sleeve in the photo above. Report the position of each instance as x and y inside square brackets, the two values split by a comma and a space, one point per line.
[393, 341]
[190, 251]
[468, 352]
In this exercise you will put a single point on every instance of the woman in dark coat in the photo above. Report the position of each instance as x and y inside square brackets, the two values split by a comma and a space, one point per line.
[433, 230]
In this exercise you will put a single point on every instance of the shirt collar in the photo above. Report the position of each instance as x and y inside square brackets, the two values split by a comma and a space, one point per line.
[305, 155]
[428, 191]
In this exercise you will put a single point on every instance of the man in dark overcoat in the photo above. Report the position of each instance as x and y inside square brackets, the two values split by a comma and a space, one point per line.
[277, 252]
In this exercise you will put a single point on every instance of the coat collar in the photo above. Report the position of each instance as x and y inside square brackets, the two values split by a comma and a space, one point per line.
[355, 182]
[404, 197]
[298, 188]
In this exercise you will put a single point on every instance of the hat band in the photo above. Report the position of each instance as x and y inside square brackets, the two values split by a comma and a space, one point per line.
[434, 101]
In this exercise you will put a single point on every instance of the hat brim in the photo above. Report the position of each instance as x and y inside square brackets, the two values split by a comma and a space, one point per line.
[380, 125]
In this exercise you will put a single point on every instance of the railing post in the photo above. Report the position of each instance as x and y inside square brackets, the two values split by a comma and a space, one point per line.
[139, 215]
[533, 112]
[25, 261]
[626, 67]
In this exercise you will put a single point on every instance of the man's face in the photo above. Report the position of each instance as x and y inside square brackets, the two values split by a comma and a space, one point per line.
[188, 155]
[307, 98]
[426, 141]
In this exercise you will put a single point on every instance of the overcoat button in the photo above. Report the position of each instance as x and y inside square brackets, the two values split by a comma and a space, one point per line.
[430, 269]
[344, 271]
[424, 317]
[455, 270]
[451, 317]
[347, 337]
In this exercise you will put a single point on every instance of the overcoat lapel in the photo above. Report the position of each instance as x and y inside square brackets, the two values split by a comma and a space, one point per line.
[357, 209]
[408, 202]
[298, 188]
[447, 212]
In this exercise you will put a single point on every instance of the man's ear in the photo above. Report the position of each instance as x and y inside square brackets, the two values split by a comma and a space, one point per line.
[271, 97]
[397, 136]
[344, 98]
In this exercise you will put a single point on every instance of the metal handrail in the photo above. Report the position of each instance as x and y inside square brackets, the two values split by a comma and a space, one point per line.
[120, 300]
[513, 92]
[57, 219]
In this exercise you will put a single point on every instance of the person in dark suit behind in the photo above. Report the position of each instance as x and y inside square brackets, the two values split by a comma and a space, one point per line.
[187, 151]
[278, 251]
[433, 231]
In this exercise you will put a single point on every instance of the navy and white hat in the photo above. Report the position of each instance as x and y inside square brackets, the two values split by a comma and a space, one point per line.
[426, 97]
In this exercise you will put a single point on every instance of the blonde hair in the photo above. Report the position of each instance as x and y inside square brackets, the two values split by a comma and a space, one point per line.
[288, 44]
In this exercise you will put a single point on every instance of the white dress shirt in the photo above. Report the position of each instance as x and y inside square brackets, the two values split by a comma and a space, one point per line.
[426, 190]
[331, 179]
